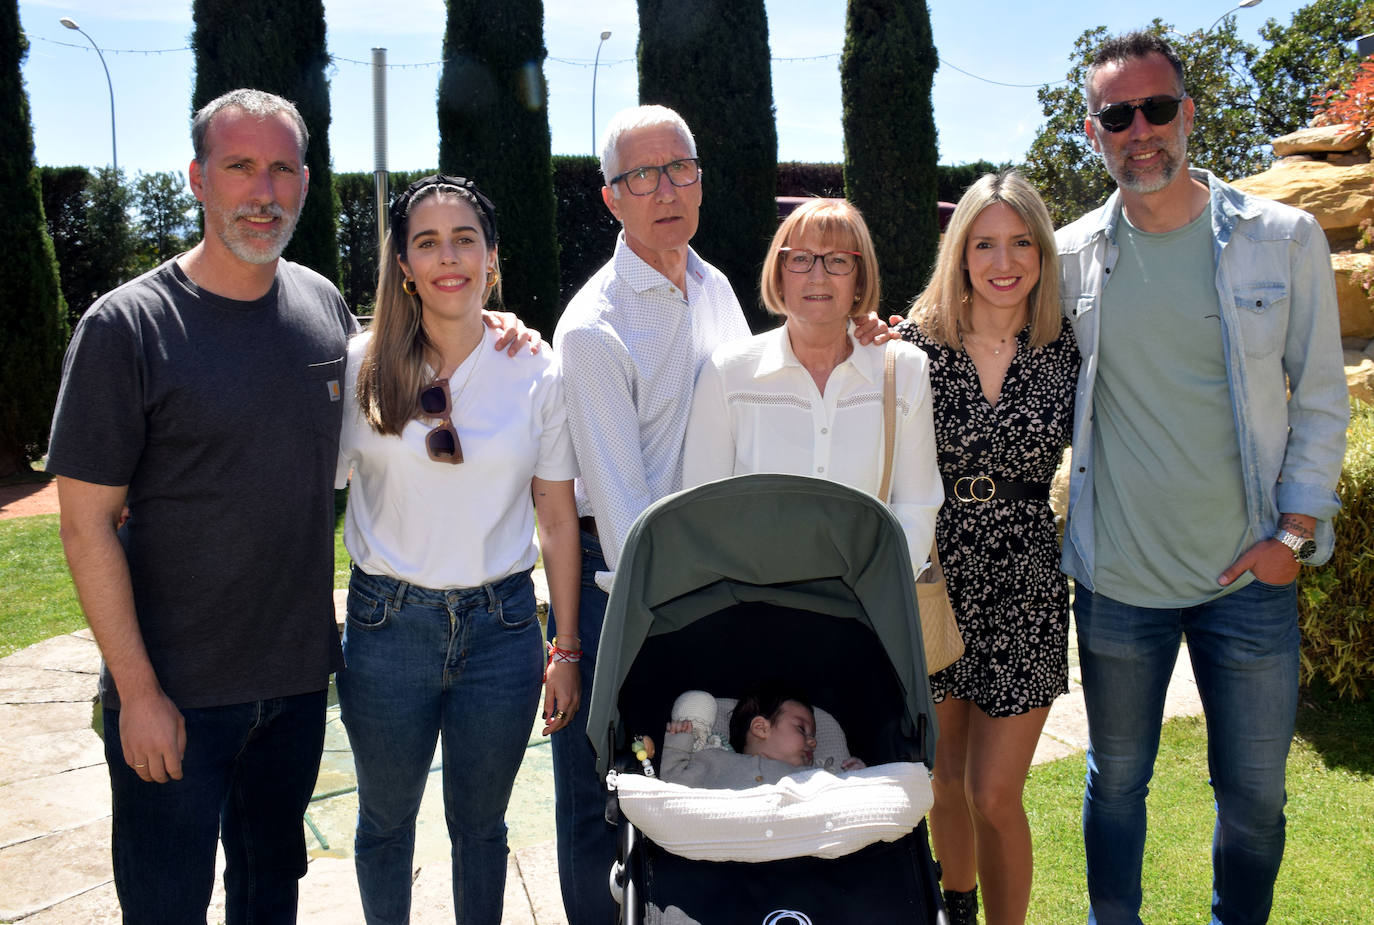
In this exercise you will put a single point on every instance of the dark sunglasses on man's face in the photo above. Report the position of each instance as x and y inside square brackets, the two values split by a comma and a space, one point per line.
[1158, 110]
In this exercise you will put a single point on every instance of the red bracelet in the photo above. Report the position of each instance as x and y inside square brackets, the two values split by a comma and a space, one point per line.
[557, 654]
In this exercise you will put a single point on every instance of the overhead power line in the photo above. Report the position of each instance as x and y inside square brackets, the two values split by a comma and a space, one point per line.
[571, 62]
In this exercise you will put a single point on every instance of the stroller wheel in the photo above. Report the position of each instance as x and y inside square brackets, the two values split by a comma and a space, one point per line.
[617, 882]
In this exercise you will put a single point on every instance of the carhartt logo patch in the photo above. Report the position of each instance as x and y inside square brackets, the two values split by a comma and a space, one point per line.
[334, 392]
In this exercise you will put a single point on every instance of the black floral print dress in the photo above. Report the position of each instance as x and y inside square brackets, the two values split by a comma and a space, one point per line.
[1001, 558]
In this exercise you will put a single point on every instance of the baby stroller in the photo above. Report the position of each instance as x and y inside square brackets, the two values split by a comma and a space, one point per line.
[750, 577]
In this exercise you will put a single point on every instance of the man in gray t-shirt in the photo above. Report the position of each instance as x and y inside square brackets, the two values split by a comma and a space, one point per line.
[1208, 437]
[207, 393]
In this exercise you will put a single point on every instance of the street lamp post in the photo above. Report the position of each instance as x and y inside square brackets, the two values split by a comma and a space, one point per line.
[605, 35]
[1242, 5]
[114, 150]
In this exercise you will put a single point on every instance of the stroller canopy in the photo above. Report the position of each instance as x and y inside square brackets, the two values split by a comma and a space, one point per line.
[787, 540]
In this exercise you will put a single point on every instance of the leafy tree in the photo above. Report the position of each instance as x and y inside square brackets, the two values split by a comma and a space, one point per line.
[88, 220]
[709, 60]
[1305, 59]
[1226, 138]
[113, 247]
[1244, 97]
[64, 208]
[586, 228]
[886, 72]
[166, 216]
[954, 179]
[34, 332]
[357, 196]
[279, 48]
[494, 129]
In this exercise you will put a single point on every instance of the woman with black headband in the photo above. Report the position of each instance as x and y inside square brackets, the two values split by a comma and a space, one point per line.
[453, 450]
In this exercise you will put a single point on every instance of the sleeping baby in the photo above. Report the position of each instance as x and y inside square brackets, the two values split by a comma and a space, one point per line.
[772, 732]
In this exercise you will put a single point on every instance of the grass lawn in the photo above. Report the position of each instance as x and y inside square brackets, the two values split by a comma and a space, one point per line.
[1328, 869]
[39, 600]
[36, 588]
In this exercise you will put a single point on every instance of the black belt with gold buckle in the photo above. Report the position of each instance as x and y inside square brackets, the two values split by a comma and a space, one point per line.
[984, 488]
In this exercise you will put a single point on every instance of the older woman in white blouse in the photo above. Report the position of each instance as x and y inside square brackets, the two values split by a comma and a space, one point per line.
[807, 398]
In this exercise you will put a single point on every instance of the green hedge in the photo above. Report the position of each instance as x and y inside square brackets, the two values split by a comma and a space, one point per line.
[1334, 601]
[34, 331]
[585, 227]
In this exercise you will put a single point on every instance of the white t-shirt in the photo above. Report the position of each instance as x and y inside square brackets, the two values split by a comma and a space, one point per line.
[443, 526]
[757, 409]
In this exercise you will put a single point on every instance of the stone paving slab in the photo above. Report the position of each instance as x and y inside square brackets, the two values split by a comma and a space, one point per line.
[98, 906]
[54, 850]
[74, 652]
[538, 866]
[43, 872]
[45, 717]
[21, 684]
[1067, 723]
[41, 754]
[43, 805]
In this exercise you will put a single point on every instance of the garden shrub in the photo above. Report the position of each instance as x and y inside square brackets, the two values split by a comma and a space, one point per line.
[1334, 600]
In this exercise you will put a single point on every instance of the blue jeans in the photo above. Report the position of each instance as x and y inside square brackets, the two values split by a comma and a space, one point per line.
[586, 842]
[466, 663]
[1244, 650]
[247, 777]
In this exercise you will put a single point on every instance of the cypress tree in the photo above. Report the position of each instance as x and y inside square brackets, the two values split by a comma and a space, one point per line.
[494, 129]
[279, 48]
[34, 332]
[890, 173]
[709, 60]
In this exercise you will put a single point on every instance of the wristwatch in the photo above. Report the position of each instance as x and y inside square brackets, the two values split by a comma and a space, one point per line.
[1303, 548]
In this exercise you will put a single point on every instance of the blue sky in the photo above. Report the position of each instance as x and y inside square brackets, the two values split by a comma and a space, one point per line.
[1007, 42]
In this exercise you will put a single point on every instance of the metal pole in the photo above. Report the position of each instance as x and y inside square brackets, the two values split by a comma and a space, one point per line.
[379, 177]
[114, 150]
[605, 35]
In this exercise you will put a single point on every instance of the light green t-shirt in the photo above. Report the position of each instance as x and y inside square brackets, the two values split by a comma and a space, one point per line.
[1169, 500]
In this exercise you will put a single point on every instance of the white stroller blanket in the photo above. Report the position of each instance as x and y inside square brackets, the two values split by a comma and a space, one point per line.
[812, 813]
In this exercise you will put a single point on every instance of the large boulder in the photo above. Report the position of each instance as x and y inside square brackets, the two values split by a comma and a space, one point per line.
[1320, 139]
[1357, 307]
[1338, 197]
[1359, 376]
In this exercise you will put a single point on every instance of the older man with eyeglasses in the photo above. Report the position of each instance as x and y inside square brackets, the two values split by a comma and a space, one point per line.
[1209, 433]
[631, 341]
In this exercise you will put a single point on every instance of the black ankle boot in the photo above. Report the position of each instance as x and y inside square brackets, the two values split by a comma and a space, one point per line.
[962, 906]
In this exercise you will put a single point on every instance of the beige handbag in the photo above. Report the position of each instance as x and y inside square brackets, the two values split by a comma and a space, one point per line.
[939, 629]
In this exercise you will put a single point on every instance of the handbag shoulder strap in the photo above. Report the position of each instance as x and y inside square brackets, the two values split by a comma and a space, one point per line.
[889, 419]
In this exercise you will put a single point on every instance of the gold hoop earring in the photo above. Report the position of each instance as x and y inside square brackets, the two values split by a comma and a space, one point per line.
[408, 286]
[492, 278]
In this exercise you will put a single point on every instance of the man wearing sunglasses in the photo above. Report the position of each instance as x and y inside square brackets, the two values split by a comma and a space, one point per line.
[1209, 433]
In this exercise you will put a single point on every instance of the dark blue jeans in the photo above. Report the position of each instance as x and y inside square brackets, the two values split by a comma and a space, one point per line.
[586, 842]
[1244, 651]
[464, 663]
[247, 777]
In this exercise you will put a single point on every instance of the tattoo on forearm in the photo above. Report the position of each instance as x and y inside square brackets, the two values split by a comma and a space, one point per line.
[1294, 525]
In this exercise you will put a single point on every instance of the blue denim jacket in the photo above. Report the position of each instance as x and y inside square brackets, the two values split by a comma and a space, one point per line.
[1277, 298]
